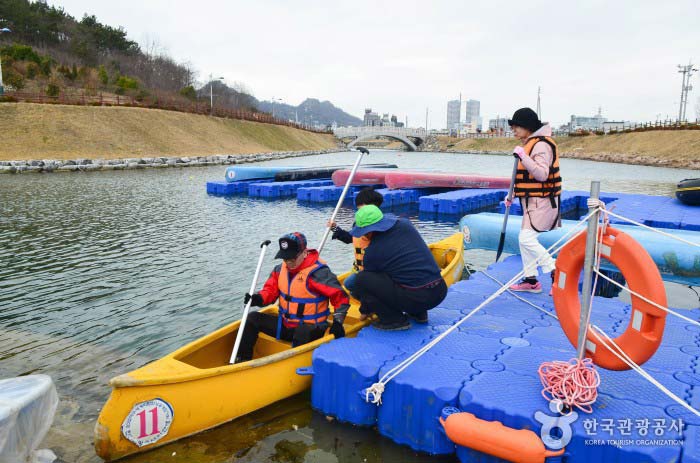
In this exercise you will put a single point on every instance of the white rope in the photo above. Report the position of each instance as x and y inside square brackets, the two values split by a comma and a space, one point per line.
[376, 389]
[634, 293]
[625, 358]
[697, 245]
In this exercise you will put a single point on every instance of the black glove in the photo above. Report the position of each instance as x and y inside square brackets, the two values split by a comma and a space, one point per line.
[257, 300]
[337, 330]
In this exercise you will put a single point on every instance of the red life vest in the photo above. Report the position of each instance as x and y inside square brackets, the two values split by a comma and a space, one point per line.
[297, 303]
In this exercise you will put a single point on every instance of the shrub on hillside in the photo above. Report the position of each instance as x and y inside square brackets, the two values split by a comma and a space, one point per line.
[45, 66]
[189, 92]
[21, 53]
[142, 95]
[102, 74]
[53, 89]
[32, 70]
[127, 83]
[13, 79]
[66, 72]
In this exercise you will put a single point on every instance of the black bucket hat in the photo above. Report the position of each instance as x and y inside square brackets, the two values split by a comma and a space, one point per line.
[527, 119]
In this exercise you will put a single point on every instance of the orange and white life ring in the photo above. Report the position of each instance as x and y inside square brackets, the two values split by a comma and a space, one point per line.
[646, 327]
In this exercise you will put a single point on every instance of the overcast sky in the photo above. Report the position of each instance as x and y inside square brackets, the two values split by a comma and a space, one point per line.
[402, 57]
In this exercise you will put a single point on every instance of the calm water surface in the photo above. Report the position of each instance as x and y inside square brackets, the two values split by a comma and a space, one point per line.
[103, 272]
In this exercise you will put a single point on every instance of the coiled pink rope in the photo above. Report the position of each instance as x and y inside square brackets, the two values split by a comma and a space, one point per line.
[575, 383]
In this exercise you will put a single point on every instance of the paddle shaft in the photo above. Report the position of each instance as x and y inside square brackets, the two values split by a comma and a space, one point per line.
[502, 239]
[246, 309]
[342, 198]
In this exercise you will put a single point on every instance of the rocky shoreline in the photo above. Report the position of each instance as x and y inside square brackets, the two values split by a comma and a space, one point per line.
[90, 165]
[615, 158]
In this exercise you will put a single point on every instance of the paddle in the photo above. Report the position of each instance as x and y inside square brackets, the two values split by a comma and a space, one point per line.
[362, 151]
[502, 239]
[246, 309]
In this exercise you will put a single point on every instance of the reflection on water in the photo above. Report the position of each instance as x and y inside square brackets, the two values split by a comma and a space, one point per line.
[103, 272]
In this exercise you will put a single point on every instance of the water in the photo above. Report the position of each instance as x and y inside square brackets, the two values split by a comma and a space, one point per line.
[103, 272]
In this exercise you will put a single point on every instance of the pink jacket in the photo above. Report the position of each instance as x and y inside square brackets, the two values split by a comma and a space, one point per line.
[538, 214]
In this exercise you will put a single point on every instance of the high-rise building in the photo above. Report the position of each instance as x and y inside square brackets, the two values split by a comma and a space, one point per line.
[371, 118]
[472, 116]
[453, 115]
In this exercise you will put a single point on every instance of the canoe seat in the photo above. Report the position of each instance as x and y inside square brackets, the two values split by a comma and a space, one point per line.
[268, 345]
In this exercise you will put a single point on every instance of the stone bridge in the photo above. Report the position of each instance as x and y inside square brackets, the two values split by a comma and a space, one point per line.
[412, 138]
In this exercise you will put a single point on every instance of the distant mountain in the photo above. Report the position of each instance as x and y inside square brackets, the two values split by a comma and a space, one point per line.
[310, 111]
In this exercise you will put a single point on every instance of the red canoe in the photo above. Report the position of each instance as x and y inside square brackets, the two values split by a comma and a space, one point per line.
[396, 180]
[362, 177]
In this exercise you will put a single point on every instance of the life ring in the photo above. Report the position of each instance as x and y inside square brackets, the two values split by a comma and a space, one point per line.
[646, 327]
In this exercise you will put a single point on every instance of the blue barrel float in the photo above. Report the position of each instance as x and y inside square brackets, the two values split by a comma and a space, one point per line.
[678, 262]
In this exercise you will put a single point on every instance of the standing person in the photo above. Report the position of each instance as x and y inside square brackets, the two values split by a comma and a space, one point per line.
[365, 197]
[538, 185]
[305, 286]
[400, 278]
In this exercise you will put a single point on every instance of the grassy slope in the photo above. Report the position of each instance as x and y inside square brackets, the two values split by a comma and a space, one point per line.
[36, 131]
[678, 148]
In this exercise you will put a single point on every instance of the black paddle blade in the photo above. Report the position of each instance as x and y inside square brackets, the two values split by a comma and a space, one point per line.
[501, 243]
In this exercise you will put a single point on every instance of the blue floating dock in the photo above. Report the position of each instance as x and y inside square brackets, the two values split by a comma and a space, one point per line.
[330, 193]
[400, 197]
[489, 366]
[282, 189]
[230, 188]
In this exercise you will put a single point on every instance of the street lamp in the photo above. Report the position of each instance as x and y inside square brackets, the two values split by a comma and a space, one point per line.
[211, 93]
[4, 30]
[273, 105]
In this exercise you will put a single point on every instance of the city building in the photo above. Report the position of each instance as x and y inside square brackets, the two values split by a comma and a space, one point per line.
[453, 115]
[499, 125]
[469, 127]
[472, 114]
[371, 118]
[586, 123]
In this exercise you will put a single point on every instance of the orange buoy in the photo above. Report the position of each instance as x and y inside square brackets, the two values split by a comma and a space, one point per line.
[493, 438]
[643, 334]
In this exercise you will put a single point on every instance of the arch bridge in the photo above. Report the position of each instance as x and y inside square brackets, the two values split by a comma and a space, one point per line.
[412, 138]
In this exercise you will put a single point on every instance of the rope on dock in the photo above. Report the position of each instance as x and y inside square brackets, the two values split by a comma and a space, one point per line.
[574, 383]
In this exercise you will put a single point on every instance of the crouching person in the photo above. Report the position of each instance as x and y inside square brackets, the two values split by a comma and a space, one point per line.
[401, 279]
[305, 288]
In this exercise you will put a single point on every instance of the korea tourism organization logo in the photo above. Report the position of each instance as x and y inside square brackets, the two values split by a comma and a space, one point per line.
[557, 431]
[148, 422]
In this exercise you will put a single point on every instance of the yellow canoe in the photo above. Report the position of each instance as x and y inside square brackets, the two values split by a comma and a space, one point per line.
[195, 388]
